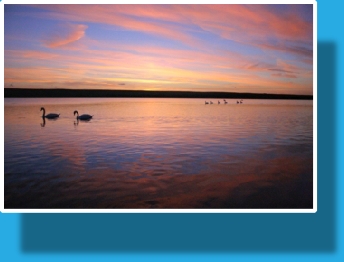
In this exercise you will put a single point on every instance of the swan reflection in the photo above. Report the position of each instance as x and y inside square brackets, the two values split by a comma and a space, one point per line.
[50, 119]
[76, 122]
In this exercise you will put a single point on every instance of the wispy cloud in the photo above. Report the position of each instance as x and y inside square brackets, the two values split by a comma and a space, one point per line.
[121, 16]
[233, 22]
[293, 49]
[66, 34]
[180, 67]
[185, 47]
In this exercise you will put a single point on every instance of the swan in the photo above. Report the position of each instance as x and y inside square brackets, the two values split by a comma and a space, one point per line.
[225, 101]
[82, 117]
[206, 102]
[49, 116]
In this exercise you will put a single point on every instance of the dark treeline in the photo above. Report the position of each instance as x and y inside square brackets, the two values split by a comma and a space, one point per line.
[23, 92]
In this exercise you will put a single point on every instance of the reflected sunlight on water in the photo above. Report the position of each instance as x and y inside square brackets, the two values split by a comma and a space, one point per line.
[158, 153]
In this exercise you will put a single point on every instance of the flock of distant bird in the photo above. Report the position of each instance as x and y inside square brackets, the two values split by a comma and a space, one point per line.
[88, 117]
[224, 101]
[54, 116]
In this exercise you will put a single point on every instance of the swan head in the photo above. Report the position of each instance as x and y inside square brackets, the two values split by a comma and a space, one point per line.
[42, 108]
[76, 112]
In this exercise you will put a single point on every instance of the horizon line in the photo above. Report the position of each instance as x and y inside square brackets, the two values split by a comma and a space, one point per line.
[11, 92]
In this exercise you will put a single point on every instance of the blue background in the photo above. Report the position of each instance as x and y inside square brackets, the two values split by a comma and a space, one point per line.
[219, 237]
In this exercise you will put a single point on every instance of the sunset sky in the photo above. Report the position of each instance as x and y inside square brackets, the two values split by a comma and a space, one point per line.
[231, 48]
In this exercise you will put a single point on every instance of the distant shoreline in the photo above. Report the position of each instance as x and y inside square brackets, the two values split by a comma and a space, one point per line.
[61, 93]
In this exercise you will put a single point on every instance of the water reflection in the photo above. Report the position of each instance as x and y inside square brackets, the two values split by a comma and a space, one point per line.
[76, 122]
[160, 154]
[84, 117]
[49, 119]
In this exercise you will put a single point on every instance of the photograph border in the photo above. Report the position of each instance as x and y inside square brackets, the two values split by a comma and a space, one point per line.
[315, 193]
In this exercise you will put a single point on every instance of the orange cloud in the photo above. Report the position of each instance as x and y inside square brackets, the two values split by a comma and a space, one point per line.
[202, 62]
[66, 34]
[147, 68]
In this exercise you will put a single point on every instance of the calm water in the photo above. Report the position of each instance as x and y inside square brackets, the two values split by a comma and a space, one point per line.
[158, 153]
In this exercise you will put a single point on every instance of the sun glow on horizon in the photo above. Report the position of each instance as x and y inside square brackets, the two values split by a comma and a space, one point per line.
[226, 48]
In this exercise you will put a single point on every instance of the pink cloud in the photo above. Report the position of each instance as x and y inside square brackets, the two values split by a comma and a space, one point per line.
[107, 63]
[236, 21]
[66, 34]
[29, 55]
[242, 23]
[146, 68]
[118, 15]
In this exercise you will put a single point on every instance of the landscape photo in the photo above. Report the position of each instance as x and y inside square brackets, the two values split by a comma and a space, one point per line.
[116, 107]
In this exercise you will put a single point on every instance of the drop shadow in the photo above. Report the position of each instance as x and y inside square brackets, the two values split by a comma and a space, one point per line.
[116, 233]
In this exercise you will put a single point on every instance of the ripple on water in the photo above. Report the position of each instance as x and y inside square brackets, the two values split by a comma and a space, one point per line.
[164, 154]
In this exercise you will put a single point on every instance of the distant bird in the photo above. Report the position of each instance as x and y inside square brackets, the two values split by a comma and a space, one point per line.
[82, 117]
[49, 116]
[206, 102]
[237, 102]
[218, 102]
[225, 101]
[211, 102]
[241, 101]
